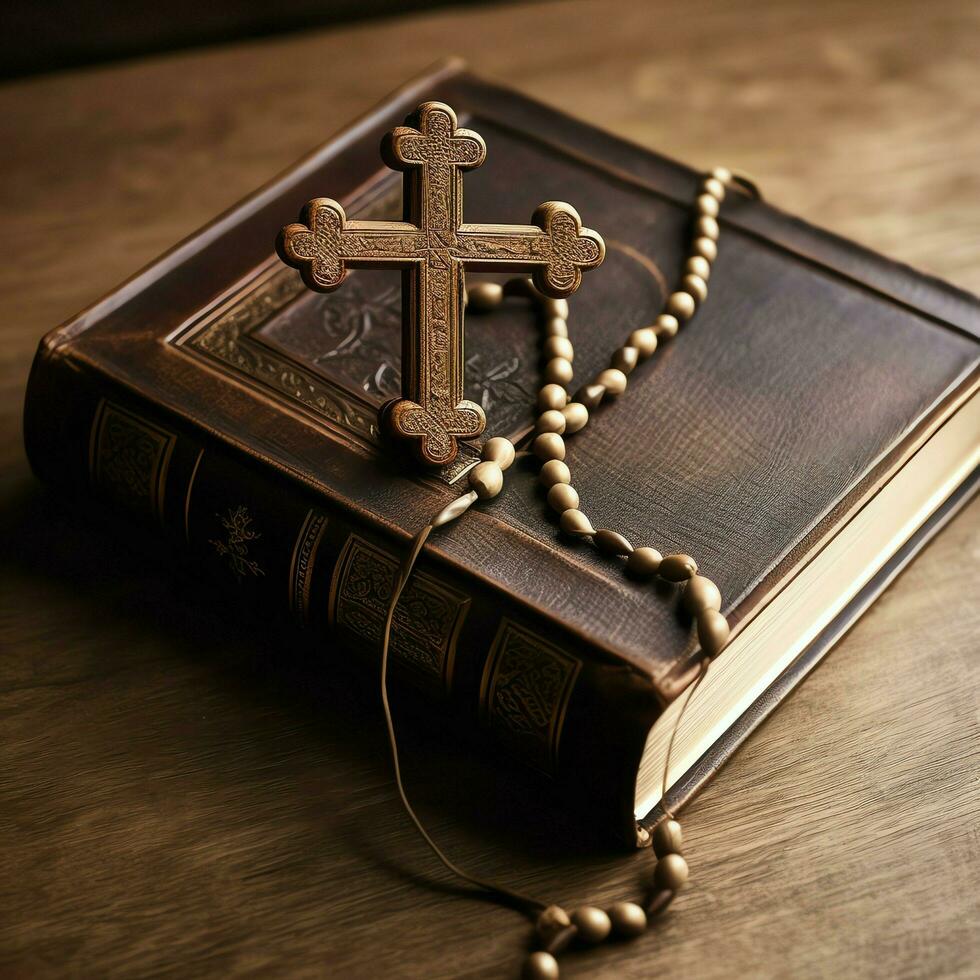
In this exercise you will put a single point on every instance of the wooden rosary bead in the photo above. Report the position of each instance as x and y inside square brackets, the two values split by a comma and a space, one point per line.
[548, 445]
[707, 204]
[698, 265]
[666, 325]
[558, 371]
[715, 188]
[613, 380]
[576, 416]
[455, 508]
[591, 396]
[552, 396]
[681, 305]
[722, 174]
[555, 307]
[678, 568]
[484, 296]
[551, 421]
[705, 247]
[554, 471]
[696, 286]
[612, 542]
[713, 632]
[551, 922]
[644, 340]
[487, 479]
[559, 347]
[593, 923]
[500, 451]
[562, 497]
[644, 561]
[625, 359]
[556, 327]
[701, 593]
[667, 838]
[628, 919]
[574, 522]
[707, 227]
[671, 872]
[540, 966]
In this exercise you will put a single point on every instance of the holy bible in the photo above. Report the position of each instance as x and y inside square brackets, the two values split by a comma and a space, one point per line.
[804, 435]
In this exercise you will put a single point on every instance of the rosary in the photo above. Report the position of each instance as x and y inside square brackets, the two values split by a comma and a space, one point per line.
[434, 414]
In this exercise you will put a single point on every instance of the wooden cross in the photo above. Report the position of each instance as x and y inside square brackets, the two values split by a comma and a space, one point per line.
[432, 246]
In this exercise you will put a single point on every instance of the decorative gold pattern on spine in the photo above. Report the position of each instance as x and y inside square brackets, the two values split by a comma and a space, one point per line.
[239, 534]
[524, 695]
[129, 458]
[427, 620]
[301, 565]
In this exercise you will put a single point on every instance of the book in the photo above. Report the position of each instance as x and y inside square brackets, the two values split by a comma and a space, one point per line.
[803, 437]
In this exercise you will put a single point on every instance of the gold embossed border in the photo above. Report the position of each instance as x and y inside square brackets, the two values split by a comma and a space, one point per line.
[129, 458]
[427, 621]
[301, 564]
[524, 694]
[228, 335]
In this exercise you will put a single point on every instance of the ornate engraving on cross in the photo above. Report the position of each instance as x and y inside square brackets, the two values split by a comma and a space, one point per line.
[432, 246]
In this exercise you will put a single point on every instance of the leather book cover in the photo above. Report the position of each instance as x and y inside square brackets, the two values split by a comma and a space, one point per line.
[214, 397]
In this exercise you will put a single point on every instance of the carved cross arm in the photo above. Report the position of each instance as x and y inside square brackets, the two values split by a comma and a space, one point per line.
[325, 244]
[555, 249]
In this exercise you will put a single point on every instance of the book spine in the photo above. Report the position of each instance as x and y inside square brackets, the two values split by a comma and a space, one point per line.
[541, 695]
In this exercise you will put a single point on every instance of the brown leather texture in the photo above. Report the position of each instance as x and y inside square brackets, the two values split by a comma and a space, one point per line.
[744, 441]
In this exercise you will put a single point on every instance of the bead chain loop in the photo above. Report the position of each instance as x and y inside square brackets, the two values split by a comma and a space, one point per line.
[560, 417]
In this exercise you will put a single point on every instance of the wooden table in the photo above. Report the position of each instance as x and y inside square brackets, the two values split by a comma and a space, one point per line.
[171, 801]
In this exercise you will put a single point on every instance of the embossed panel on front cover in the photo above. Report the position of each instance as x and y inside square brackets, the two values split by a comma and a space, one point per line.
[336, 358]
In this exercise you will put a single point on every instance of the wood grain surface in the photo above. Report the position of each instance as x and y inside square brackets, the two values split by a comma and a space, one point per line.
[182, 793]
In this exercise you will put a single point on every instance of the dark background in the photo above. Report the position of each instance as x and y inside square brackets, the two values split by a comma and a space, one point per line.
[40, 36]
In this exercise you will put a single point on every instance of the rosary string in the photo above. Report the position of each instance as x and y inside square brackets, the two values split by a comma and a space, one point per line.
[702, 673]
[559, 418]
[508, 894]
